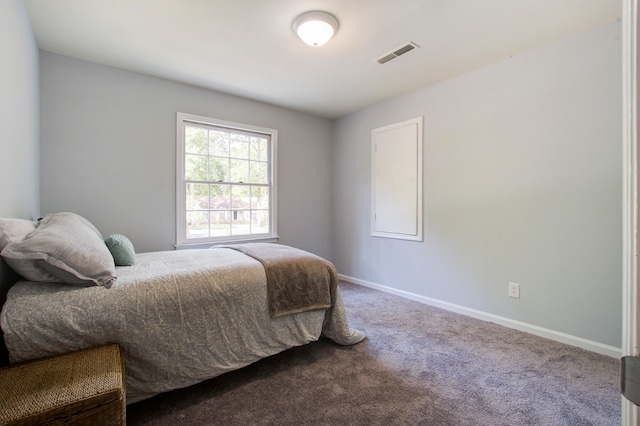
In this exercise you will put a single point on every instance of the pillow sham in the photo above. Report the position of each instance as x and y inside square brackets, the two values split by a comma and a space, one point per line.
[121, 248]
[13, 230]
[65, 247]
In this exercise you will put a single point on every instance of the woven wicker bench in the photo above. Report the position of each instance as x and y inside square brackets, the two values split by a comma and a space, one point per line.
[79, 388]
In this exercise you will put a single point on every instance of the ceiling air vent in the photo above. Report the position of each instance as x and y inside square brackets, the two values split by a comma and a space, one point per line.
[396, 52]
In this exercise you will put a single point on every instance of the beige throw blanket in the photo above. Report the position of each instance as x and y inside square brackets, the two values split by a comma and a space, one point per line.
[297, 281]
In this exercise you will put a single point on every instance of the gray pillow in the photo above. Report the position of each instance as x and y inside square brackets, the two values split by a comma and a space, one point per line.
[121, 249]
[64, 247]
[12, 230]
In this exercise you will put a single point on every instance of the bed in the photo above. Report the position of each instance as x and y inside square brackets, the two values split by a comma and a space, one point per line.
[180, 317]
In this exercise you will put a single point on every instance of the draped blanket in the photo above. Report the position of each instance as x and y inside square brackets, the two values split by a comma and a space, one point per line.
[297, 281]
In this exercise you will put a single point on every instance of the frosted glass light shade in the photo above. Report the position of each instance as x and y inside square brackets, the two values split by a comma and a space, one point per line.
[315, 28]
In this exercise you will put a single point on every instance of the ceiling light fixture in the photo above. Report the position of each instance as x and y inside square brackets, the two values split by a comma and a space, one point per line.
[315, 28]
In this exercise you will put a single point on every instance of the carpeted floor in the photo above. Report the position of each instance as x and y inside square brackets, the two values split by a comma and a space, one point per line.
[419, 365]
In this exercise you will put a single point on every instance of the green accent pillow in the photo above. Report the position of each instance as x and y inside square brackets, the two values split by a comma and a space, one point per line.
[121, 249]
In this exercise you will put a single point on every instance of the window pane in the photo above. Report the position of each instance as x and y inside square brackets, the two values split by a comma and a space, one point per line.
[219, 143]
[220, 223]
[260, 221]
[239, 146]
[258, 172]
[220, 197]
[259, 197]
[239, 171]
[197, 224]
[197, 196]
[240, 197]
[218, 169]
[195, 140]
[241, 222]
[259, 148]
[195, 167]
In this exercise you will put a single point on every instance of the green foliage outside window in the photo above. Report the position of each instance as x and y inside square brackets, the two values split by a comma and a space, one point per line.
[227, 182]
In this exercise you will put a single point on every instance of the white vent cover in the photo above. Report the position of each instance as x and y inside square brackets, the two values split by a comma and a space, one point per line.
[407, 47]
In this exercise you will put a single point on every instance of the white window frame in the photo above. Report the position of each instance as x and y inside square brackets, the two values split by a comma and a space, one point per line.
[182, 241]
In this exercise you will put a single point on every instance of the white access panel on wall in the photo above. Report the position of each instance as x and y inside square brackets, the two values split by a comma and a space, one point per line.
[396, 180]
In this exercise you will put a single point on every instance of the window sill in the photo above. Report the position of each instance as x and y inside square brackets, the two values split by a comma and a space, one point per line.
[209, 244]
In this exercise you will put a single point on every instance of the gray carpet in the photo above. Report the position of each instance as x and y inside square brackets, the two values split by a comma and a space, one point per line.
[419, 365]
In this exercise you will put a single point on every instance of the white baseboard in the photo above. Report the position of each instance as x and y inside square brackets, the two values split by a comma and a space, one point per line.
[518, 325]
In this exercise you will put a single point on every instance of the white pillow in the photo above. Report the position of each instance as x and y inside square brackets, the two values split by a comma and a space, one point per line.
[65, 247]
[13, 230]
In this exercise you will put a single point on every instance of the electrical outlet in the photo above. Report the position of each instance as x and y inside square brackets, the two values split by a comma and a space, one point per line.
[514, 290]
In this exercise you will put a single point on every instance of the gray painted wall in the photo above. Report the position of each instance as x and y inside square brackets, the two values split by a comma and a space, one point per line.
[108, 152]
[523, 167]
[19, 114]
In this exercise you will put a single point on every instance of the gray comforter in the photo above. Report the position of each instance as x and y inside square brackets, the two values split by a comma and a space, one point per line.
[180, 317]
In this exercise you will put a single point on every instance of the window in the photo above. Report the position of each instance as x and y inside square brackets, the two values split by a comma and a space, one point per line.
[225, 181]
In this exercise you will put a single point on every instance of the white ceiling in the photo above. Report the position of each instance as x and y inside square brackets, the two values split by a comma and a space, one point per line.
[247, 47]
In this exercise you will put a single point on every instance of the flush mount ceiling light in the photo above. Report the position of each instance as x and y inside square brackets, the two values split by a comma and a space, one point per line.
[315, 28]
